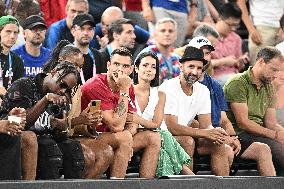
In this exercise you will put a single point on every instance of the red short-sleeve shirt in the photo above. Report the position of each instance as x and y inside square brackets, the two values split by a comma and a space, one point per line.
[97, 88]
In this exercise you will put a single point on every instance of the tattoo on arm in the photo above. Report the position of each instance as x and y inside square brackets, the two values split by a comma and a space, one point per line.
[121, 108]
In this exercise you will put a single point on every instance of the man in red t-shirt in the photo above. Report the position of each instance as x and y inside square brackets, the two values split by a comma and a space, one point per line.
[116, 93]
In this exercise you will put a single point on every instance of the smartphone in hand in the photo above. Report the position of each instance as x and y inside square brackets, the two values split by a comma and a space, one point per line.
[95, 105]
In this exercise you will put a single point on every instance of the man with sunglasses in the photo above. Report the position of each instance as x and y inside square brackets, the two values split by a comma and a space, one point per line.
[32, 52]
[40, 96]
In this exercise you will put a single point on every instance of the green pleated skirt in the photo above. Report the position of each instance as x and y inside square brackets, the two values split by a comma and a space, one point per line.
[172, 156]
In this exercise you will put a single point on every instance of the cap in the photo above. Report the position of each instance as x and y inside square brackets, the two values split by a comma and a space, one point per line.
[192, 53]
[32, 21]
[82, 19]
[199, 42]
[8, 20]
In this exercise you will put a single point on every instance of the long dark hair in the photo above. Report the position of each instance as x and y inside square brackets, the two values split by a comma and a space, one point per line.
[156, 81]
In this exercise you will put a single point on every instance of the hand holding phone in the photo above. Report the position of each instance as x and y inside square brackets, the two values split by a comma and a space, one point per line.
[95, 105]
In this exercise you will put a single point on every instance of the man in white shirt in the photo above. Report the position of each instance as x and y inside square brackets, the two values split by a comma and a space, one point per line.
[185, 99]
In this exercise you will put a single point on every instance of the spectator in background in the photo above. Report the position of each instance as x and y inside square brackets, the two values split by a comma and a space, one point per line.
[120, 34]
[278, 83]
[165, 35]
[211, 34]
[83, 32]
[34, 55]
[97, 7]
[280, 46]
[11, 67]
[262, 23]
[228, 58]
[109, 15]
[154, 10]
[133, 11]
[25, 9]
[53, 10]
[2, 8]
[62, 29]
[252, 105]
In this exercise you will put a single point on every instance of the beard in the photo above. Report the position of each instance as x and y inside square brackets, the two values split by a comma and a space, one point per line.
[84, 43]
[36, 42]
[190, 78]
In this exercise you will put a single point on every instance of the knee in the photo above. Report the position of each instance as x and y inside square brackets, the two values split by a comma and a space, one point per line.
[229, 152]
[154, 139]
[125, 140]
[263, 150]
[223, 150]
[29, 140]
[107, 153]
[189, 141]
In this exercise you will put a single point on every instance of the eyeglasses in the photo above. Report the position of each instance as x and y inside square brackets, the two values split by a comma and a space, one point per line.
[63, 85]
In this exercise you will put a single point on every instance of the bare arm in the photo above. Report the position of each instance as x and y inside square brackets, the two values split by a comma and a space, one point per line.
[248, 23]
[214, 13]
[158, 114]
[226, 124]
[147, 11]
[34, 112]
[240, 111]
[116, 119]
[270, 121]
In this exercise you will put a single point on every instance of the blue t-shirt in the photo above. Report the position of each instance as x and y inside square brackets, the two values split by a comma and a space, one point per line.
[175, 5]
[218, 101]
[33, 65]
[59, 31]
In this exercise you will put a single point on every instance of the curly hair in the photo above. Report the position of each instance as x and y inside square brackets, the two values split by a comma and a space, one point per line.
[55, 56]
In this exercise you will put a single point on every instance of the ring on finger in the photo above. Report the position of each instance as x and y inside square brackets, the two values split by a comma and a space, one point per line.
[9, 133]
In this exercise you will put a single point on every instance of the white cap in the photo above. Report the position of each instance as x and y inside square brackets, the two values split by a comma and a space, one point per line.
[199, 42]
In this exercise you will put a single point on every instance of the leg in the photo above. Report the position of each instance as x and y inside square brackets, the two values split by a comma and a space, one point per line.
[98, 156]
[186, 171]
[121, 143]
[277, 149]
[261, 153]
[29, 151]
[151, 143]
[188, 145]
[221, 156]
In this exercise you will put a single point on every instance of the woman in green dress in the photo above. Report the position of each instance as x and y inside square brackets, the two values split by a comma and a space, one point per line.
[150, 103]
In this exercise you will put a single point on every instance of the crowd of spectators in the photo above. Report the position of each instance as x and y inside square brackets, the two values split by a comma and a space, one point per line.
[88, 86]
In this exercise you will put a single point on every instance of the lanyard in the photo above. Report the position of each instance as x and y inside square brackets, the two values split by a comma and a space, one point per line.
[94, 66]
[9, 72]
[94, 62]
[109, 49]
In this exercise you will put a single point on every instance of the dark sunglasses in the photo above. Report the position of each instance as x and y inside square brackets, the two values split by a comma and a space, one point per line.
[63, 85]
